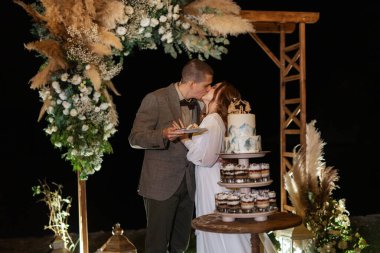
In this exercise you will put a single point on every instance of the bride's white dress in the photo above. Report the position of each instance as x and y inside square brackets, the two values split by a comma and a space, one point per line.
[203, 152]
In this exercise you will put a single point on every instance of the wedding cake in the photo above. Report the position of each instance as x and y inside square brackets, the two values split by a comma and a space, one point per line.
[241, 129]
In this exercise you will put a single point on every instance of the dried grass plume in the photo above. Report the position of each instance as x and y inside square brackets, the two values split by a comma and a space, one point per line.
[310, 183]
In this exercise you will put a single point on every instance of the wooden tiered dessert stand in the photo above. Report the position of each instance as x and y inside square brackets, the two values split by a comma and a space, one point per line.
[243, 159]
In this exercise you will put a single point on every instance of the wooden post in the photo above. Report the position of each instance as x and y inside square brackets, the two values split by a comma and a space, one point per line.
[82, 206]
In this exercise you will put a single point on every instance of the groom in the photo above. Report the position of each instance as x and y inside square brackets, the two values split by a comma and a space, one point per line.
[167, 181]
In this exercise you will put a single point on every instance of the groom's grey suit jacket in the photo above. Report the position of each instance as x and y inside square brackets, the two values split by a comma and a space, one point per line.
[165, 163]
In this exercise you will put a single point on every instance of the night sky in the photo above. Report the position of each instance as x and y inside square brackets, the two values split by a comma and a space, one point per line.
[343, 96]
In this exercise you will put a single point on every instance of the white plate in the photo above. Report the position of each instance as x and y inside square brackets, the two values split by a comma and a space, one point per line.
[193, 130]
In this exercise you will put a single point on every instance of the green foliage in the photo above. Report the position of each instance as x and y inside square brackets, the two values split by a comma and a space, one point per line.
[331, 227]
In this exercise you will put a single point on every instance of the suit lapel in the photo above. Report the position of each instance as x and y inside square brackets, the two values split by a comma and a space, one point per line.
[173, 101]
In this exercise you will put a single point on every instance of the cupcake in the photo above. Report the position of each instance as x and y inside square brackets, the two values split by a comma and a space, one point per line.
[262, 202]
[227, 173]
[247, 203]
[254, 172]
[233, 203]
[265, 171]
[272, 200]
[241, 173]
[221, 201]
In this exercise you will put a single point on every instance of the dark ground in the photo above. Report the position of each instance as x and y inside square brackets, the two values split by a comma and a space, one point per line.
[343, 95]
[368, 226]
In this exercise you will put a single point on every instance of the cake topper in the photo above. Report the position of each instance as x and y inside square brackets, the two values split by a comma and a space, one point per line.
[238, 106]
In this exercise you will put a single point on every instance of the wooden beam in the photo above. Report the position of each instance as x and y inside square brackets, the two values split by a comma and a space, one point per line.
[266, 49]
[280, 16]
[273, 27]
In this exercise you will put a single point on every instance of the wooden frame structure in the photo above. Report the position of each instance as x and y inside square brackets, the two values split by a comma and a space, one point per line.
[292, 65]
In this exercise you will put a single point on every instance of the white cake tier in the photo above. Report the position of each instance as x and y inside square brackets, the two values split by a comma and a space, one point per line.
[241, 136]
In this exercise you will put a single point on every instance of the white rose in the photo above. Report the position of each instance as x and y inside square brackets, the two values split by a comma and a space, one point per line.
[154, 22]
[62, 95]
[121, 30]
[58, 144]
[84, 128]
[56, 86]
[108, 126]
[159, 6]
[97, 94]
[59, 101]
[163, 19]
[48, 130]
[161, 30]
[128, 10]
[104, 106]
[66, 104]
[185, 26]
[73, 112]
[147, 35]
[76, 79]
[66, 112]
[97, 109]
[81, 117]
[50, 109]
[152, 46]
[141, 30]
[70, 139]
[175, 16]
[145, 22]
[64, 77]
[176, 8]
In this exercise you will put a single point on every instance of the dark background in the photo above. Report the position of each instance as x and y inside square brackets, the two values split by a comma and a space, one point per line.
[342, 59]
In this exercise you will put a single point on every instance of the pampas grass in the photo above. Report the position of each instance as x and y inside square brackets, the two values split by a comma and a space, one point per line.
[225, 6]
[109, 13]
[310, 186]
[93, 74]
[220, 17]
[108, 38]
[310, 183]
[51, 49]
[228, 25]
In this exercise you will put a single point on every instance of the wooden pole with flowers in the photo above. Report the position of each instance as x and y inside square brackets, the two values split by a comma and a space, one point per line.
[83, 43]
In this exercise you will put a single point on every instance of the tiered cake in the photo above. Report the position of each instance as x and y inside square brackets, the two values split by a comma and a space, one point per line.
[241, 129]
[241, 200]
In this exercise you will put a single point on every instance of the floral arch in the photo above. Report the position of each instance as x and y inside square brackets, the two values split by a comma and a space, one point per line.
[84, 43]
